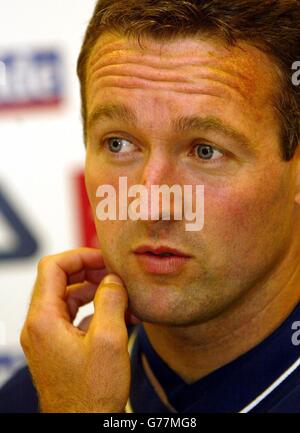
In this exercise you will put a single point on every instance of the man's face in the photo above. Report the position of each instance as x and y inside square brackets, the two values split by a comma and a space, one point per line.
[234, 153]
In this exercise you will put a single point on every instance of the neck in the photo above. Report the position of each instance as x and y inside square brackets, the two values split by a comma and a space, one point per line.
[195, 351]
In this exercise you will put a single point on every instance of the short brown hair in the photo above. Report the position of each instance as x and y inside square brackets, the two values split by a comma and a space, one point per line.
[273, 26]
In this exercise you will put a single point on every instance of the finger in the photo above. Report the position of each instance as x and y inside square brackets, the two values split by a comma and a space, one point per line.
[85, 323]
[78, 295]
[53, 271]
[91, 275]
[110, 304]
[130, 319]
[81, 294]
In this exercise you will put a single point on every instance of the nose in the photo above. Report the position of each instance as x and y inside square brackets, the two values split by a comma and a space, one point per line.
[159, 171]
[156, 170]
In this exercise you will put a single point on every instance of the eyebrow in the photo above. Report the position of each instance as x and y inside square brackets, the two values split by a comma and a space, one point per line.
[122, 113]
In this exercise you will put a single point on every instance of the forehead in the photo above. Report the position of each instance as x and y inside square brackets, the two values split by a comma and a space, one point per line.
[187, 66]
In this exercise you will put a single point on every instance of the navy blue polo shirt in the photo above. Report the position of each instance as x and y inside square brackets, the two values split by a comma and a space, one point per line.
[265, 379]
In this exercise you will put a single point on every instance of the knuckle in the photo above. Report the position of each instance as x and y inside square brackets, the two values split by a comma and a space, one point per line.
[110, 296]
[112, 341]
[111, 292]
[32, 328]
[24, 339]
[43, 263]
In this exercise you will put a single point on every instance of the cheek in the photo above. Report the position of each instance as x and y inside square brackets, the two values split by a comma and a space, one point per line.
[99, 173]
[96, 174]
[242, 231]
[228, 212]
[244, 215]
[109, 231]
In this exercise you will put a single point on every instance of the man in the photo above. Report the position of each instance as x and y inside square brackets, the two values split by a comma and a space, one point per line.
[180, 93]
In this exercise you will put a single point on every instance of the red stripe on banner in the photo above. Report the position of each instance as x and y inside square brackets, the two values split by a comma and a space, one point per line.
[30, 104]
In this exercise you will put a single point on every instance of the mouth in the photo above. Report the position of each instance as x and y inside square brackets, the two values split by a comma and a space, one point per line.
[161, 260]
[161, 251]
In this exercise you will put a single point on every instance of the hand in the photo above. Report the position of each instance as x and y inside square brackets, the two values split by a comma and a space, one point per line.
[74, 370]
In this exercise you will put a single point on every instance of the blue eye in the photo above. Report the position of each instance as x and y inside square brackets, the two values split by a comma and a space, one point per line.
[206, 152]
[115, 144]
[119, 145]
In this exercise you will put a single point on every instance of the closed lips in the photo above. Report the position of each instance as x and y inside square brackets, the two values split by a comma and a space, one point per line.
[161, 251]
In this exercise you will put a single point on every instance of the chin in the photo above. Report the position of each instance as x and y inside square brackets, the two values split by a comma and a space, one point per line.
[173, 305]
[162, 315]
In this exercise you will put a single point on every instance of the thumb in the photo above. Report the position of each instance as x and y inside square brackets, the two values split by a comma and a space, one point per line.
[110, 305]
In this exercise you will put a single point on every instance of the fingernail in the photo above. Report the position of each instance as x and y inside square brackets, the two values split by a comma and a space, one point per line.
[112, 278]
